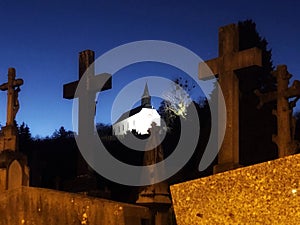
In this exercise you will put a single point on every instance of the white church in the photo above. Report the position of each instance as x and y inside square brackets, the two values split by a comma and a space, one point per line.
[139, 118]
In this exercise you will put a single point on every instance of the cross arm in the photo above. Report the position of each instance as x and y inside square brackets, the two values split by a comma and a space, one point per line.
[16, 83]
[69, 90]
[97, 81]
[3, 87]
[294, 90]
[231, 62]
[291, 92]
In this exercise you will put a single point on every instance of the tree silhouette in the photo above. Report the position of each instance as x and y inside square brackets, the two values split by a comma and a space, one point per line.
[256, 125]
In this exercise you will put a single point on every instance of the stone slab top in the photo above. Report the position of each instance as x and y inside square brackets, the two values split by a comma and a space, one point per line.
[29, 205]
[265, 193]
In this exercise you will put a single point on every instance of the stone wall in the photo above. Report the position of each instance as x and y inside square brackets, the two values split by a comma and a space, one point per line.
[38, 206]
[266, 193]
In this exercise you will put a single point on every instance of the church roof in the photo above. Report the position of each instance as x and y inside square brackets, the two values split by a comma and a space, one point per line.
[145, 103]
[130, 113]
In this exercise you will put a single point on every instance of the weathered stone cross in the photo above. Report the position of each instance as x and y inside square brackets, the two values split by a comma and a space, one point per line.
[285, 124]
[9, 133]
[86, 59]
[13, 88]
[225, 66]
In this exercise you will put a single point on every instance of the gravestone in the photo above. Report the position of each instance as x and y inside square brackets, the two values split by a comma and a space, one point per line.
[225, 67]
[156, 196]
[86, 65]
[284, 112]
[14, 172]
[9, 133]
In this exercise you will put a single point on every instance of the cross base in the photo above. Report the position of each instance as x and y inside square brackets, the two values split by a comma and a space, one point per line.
[220, 168]
[9, 138]
[14, 171]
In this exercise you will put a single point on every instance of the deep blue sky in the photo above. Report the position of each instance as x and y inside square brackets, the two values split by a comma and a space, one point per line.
[41, 39]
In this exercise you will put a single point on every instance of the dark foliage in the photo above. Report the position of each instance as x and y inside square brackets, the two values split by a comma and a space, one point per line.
[256, 125]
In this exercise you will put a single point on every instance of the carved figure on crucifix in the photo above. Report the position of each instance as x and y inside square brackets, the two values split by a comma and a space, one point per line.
[284, 112]
[9, 133]
[13, 88]
[16, 105]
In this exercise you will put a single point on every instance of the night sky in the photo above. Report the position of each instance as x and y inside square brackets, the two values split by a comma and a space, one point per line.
[42, 39]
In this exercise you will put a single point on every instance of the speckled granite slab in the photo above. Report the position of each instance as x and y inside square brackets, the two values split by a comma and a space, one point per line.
[266, 193]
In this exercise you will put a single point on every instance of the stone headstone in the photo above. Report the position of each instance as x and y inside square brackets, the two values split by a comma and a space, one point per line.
[14, 175]
[155, 196]
[225, 66]
[14, 171]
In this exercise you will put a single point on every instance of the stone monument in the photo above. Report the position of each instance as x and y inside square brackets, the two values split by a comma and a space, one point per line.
[9, 132]
[156, 196]
[230, 60]
[86, 63]
[14, 172]
[284, 112]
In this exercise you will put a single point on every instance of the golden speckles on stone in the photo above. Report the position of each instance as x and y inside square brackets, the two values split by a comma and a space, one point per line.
[266, 194]
[294, 191]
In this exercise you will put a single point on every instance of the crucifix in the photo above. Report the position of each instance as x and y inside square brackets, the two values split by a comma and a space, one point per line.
[225, 67]
[285, 120]
[13, 88]
[9, 137]
[86, 63]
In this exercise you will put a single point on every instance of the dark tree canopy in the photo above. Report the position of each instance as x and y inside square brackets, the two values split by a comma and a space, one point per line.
[256, 125]
[249, 38]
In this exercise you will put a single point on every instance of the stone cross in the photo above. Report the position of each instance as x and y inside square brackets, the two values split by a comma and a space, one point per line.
[86, 59]
[155, 196]
[225, 66]
[13, 88]
[285, 120]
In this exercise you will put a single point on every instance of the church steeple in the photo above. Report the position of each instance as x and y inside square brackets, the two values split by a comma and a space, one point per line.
[146, 98]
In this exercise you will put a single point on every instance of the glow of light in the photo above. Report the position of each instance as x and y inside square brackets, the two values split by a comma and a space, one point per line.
[178, 100]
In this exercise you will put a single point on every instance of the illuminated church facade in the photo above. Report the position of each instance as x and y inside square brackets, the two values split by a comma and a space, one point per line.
[138, 119]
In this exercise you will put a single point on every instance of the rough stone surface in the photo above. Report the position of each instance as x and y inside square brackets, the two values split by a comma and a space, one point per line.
[266, 193]
[14, 171]
[46, 207]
